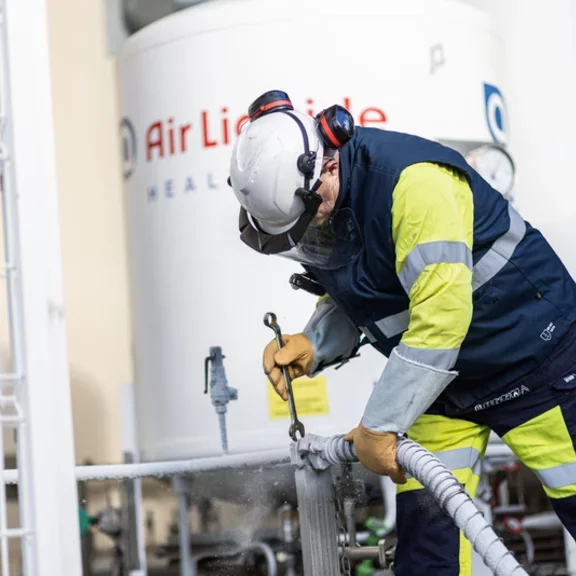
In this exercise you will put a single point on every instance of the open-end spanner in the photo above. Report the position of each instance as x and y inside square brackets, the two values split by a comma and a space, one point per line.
[270, 321]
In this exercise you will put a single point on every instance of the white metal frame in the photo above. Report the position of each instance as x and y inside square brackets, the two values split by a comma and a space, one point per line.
[15, 378]
[39, 409]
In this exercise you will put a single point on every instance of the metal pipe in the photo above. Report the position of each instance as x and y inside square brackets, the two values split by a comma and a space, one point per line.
[130, 523]
[181, 487]
[534, 522]
[529, 546]
[349, 513]
[388, 489]
[289, 535]
[449, 493]
[186, 568]
[361, 537]
[358, 553]
[541, 521]
[172, 468]
[223, 432]
[137, 542]
[570, 552]
[389, 495]
[504, 493]
[268, 553]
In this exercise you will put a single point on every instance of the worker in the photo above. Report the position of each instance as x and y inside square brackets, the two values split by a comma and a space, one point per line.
[420, 257]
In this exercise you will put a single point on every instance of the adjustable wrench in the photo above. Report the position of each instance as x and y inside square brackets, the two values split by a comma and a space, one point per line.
[270, 321]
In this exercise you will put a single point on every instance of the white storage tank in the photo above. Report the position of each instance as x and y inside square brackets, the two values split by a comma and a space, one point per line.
[428, 67]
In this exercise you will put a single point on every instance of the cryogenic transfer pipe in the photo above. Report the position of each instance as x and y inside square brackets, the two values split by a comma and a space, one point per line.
[449, 493]
[451, 496]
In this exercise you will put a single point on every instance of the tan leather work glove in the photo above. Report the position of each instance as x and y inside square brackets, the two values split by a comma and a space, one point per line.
[377, 452]
[297, 354]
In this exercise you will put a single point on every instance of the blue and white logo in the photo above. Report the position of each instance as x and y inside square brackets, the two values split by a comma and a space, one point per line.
[128, 143]
[496, 114]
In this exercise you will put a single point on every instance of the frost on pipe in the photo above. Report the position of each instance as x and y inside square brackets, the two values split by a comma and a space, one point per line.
[174, 468]
[449, 493]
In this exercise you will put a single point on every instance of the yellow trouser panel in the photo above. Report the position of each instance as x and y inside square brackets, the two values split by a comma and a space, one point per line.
[460, 445]
[545, 446]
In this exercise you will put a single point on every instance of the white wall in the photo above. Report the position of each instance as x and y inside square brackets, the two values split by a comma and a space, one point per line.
[92, 230]
[92, 237]
[540, 91]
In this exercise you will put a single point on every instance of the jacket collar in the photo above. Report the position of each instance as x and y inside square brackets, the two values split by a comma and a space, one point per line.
[344, 172]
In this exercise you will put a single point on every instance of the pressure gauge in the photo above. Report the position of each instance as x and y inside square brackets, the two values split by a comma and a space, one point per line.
[495, 165]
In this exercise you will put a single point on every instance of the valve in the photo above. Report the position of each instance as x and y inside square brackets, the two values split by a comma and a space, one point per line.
[220, 393]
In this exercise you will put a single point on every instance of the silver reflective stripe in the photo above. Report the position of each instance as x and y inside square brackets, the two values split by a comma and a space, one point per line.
[486, 268]
[440, 359]
[558, 476]
[368, 334]
[432, 253]
[395, 324]
[500, 252]
[459, 458]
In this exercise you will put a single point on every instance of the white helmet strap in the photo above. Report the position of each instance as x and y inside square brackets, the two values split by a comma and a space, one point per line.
[306, 162]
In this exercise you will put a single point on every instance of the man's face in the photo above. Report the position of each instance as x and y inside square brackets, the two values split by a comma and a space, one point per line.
[328, 191]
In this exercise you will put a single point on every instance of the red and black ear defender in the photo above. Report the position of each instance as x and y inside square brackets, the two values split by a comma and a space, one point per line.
[335, 125]
[271, 101]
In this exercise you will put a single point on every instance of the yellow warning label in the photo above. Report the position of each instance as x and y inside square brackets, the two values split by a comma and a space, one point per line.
[310, 396]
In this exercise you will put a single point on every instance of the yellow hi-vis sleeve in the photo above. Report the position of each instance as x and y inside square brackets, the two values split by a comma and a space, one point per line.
[432, 229]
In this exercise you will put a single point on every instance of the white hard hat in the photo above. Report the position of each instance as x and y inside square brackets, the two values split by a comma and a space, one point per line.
[265, 171]
[275, 173]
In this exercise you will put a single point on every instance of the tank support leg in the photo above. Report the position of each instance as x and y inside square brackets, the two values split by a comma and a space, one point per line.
[317, 513]
[181, 486]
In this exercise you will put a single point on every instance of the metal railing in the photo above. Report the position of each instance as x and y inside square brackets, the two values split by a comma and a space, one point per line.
[171, 468]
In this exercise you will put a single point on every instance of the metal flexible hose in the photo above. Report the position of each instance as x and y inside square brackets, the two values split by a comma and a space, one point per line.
[449, 493]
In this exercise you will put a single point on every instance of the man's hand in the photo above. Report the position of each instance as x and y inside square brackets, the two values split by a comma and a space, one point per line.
[297, 354]
[377, 452]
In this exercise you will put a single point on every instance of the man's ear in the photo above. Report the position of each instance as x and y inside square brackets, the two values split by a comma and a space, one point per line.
[333, 166]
